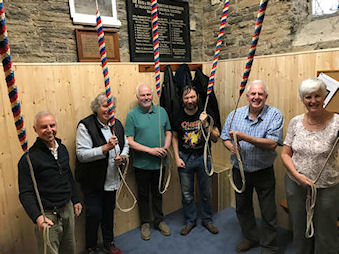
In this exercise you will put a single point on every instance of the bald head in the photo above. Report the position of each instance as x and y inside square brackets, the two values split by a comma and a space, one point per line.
[42, 114]
[145, 96]
[142, 86]
[257, 83]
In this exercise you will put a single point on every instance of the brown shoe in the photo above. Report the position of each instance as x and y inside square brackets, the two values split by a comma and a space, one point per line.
[245, 245]
[186, 229]
[164, 229]
[212, 228]
[145, 231]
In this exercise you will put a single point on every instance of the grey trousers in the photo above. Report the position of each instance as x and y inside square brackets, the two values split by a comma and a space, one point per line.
[325, 239]
[61, 234]
[263, 181]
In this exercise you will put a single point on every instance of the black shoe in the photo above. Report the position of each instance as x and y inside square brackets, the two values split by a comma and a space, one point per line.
[186, 229]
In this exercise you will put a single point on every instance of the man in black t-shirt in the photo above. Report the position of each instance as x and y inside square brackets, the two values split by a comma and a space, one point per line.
[188, 143]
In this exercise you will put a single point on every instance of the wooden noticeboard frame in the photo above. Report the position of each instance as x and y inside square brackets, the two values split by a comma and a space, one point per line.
[333, 104]
[88, 49]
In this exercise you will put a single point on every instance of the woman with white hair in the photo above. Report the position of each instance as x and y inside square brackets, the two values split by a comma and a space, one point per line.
[100, 150]
[309, 141]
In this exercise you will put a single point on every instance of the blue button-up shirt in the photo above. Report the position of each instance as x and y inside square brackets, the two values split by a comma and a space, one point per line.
[269, 124]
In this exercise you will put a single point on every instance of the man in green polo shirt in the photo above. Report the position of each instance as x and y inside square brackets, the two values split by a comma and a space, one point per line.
[142, 131]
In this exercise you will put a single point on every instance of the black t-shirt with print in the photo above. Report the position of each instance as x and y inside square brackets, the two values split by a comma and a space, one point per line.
[190, 136]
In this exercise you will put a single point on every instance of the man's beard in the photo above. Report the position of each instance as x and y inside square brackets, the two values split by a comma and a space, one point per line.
[191, 106]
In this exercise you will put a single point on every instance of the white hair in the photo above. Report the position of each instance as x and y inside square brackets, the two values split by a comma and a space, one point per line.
[42, 114]
[141, 85]
[311, 85]
[97, 102]
[257, 82]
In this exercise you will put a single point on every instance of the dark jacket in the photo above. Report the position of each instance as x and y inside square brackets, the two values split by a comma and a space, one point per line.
[93, 174]
[201, 82]
[54, 179]
[182, 77]
[169, 99]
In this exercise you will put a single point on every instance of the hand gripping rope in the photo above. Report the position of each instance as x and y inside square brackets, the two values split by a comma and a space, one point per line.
[248, 66]
[16, 110]
[312, 196]
[156, 54]
[103, 55]
[207, 150]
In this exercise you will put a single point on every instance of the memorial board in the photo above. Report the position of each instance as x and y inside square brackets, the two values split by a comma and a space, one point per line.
[174, 31]
[88, 48]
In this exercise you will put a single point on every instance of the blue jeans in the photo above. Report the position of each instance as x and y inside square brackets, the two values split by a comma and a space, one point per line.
[195, 165]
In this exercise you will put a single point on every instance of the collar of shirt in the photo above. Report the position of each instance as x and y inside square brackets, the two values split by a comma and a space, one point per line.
[54, 150]
[145, 111]
[260, 117]
[104, 126]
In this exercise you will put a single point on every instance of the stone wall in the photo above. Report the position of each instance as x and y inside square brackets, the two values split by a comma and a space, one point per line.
[287, 27]
[42, 31]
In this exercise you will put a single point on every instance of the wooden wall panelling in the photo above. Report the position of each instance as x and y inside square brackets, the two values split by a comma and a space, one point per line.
[283, 74]
[67, 90]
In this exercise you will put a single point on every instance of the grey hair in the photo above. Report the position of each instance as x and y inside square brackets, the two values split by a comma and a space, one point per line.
[312, 85]
[97, 102]
[141, 85]
[42, 114]
[255, 82]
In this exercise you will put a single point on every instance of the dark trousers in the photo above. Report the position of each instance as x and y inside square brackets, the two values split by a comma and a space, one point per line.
[147, 181]
[99, 211]
[263, 182]
[326, 210]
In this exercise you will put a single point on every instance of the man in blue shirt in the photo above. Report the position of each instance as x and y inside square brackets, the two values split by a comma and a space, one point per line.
[144, 136]
[258, 128]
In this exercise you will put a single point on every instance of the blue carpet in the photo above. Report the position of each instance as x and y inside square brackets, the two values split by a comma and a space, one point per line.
[199, 240]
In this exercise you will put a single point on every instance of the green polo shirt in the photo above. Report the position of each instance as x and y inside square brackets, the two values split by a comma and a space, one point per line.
[143, 126]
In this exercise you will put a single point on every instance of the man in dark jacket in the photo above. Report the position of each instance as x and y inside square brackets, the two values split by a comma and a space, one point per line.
[50, 161]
